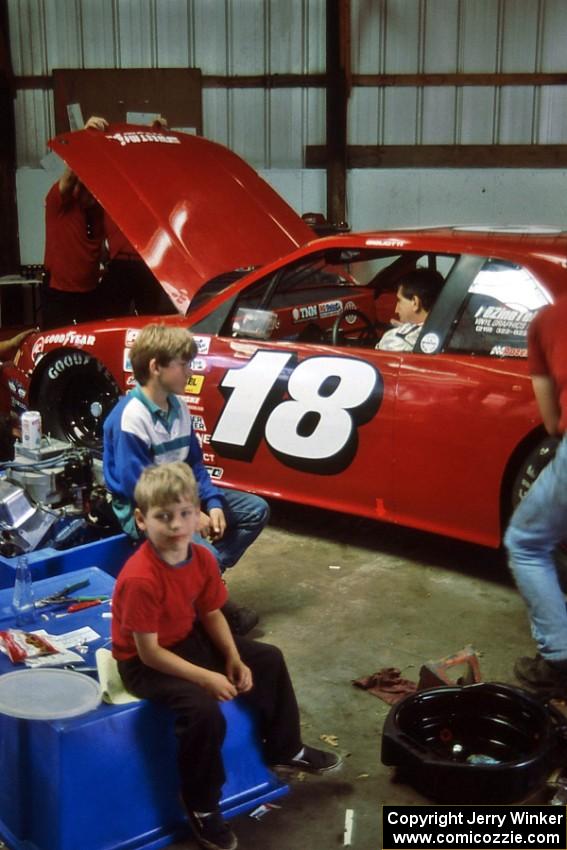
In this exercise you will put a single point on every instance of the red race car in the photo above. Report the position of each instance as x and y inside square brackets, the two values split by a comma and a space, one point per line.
[290, 396]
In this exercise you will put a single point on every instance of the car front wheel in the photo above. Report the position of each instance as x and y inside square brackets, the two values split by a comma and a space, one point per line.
[75, 395]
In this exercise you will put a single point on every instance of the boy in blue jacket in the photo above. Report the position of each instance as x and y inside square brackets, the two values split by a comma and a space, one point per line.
[151, 425]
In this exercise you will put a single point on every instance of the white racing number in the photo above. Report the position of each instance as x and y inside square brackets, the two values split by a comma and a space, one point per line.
[307, 412]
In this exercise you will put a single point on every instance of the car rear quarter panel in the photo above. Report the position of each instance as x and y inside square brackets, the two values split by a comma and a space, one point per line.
[458, 422]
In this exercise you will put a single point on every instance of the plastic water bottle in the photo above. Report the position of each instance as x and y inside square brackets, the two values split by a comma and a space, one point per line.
[22, 601]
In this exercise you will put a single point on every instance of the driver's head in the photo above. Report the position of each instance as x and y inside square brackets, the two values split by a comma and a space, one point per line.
[417, 294]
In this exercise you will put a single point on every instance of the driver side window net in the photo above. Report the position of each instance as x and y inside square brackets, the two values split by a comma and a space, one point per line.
[501, 302]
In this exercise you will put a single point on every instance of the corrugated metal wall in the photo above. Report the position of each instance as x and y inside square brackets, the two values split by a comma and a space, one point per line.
[271, 128]
[458, 36]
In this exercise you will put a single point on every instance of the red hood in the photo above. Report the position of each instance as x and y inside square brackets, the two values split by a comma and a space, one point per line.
[192, 208]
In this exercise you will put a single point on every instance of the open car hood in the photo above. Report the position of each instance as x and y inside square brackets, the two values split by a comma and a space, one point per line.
[190, 207]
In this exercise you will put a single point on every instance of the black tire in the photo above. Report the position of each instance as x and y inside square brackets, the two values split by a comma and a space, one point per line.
[535, 462]
[75, 395]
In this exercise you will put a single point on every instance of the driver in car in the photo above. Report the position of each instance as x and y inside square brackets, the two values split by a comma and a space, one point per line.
[415, 297]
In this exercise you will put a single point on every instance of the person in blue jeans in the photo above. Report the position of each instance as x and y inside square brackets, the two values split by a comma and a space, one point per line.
[539, 523]
[151, 425]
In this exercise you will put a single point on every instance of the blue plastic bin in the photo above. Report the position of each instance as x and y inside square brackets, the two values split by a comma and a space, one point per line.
[109, 554]
[107, 780]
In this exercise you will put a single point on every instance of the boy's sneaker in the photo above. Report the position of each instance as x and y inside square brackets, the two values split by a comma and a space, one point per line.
[539, 673]
[312, 760]
[212, 832]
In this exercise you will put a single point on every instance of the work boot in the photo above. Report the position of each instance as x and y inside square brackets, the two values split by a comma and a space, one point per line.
[240, 620]
[539, 673]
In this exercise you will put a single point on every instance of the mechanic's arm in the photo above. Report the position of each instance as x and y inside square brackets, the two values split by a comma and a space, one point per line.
[69, 179]
[67, 183]
[7, 345]
[159, 658]
[238, 673]
[547, 399]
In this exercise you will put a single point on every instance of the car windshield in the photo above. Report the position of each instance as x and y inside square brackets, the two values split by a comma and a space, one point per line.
[343, 297]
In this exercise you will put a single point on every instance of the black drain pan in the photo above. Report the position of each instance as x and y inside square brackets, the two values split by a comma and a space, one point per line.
[488, 743]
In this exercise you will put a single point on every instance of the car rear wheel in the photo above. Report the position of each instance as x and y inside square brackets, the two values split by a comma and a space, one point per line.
[533, 465]
[75, 395]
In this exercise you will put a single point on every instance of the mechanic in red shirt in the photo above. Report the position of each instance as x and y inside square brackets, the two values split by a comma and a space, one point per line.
[539, 523]
[73, 249]
[173, 645]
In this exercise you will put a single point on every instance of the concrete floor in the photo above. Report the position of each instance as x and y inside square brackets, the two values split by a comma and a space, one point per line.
[400, 598]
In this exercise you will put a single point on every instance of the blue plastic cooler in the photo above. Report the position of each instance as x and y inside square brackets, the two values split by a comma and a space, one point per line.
[107, 780]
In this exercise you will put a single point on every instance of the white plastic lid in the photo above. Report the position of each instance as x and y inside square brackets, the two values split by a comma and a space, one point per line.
[47, 694]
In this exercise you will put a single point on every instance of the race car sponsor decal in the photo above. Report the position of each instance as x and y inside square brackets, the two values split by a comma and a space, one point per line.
[67, 338]
[429, 343]
[194, 384]
[502, 320]
[330, 308]
[243, 349]
[308, 413]
[304, 313]
[508, 351]
[388, 242]
[126, 362]
[180, 300]
[216, 472]
[199, 364]
[136, 138]
[203, 344]
[131, 337]
[204, 440]
[198, 423]
[17, 389]
[18, 406]
[350, 305]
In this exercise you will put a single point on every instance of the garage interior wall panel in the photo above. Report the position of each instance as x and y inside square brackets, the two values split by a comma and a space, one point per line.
[458, 36]
[221, 37]
[271, 128]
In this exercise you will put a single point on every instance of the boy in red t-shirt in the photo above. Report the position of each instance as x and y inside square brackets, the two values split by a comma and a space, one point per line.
[173, 645]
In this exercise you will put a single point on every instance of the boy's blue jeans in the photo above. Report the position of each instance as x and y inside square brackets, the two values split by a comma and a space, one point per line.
[538, 526]
[246, 515]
